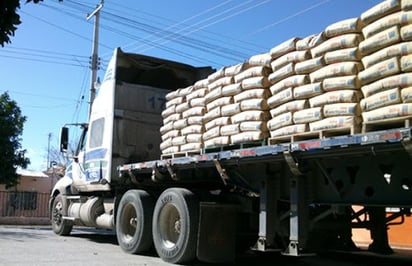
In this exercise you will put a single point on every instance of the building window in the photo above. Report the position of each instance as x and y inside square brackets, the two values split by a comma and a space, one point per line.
[26, 200]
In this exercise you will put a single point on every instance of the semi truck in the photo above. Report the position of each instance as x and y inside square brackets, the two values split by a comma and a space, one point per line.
[292, 197]
[300, 193]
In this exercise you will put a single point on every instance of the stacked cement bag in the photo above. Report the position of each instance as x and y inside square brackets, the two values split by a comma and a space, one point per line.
[336, 82]
[284, 79]
[236, 109]
[171, 119]
[356, 68]
[213, 119]
[387, 48]
[193, 114]
[183, 119]
[318, 88]
[249, 111]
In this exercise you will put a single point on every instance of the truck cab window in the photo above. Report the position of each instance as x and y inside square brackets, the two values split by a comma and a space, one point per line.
[96, 134]
[84, 140]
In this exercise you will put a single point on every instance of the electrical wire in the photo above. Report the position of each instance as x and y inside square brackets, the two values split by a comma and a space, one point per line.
[215, 21]
[175, 25]
[39, 60]
[56, 26]
[186, 41]
[41, 96]
[45, 56]
[81, 98]
[206, 34]
[69, 31]
[160, 32]
[164, 48]
[133, 37]
[288, 17]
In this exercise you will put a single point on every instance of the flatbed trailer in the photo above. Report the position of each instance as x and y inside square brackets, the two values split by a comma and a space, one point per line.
[304, 190]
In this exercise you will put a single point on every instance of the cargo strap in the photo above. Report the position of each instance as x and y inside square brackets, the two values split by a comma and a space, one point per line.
[221, 171]
[293, 165]
[407, 145]
[170, 170]
[132, 176]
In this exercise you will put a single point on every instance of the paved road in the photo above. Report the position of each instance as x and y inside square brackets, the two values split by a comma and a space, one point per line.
[38, 245]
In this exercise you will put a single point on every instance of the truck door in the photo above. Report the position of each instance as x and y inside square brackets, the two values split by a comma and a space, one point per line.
[78, 165]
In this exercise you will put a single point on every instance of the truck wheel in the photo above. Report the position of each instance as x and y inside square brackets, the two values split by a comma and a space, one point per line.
[60, 226]
[134, 221]
[175, 225]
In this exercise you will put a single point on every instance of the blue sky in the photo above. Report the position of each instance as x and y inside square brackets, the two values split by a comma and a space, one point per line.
[46, 67]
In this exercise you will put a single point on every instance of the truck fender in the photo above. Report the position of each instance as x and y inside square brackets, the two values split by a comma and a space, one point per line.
[61, 187]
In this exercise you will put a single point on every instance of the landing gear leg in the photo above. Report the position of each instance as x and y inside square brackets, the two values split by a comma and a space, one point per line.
[379, 233]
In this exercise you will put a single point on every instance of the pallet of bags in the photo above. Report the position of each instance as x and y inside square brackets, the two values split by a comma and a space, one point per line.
[194, 128]
[337, 103]
[170, 116]
[249, 123]
[215, 99]
[323, 91]
[283, 80]
[238, 114]
[386, 79]
[183, 121]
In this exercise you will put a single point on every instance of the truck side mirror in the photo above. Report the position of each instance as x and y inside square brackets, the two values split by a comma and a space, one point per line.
[64, 139]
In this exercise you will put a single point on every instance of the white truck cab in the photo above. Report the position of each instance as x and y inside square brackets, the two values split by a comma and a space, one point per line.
[123, 127]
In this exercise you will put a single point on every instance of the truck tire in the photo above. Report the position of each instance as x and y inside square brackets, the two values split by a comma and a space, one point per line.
[134, 221]
[60, 226]
[175, 225]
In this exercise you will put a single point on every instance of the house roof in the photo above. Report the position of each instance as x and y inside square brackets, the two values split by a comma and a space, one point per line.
[31, 173]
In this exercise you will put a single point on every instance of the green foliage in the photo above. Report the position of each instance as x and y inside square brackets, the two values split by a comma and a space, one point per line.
[11, 128]
[9, 19]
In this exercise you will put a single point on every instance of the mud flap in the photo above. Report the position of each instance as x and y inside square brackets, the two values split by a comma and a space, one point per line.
[217, 232]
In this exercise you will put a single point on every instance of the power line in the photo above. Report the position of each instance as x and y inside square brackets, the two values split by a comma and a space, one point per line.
[251, 47]
[130, 36]
[46, 52]
[236, 13]
[44, 56]
[179, 38]
[222, 19]
[195, 16]
[288, 17]
[56, 26]
[69, 31]
[48, 106]
[40, 95]
[39, 60]
[164, 48]
[81, 98]
[153, 30]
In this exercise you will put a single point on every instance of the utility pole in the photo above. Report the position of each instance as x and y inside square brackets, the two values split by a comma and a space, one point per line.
[94, 57]
[48, 150]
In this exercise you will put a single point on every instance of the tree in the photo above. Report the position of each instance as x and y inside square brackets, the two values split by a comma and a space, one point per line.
[54, 154]
[9, 19]
[11, 128]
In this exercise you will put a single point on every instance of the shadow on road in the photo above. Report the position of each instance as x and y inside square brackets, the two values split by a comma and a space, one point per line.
[96, 235]
[108, 237]
[361, 257]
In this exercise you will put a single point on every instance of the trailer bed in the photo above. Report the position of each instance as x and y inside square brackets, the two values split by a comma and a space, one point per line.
[396, 140]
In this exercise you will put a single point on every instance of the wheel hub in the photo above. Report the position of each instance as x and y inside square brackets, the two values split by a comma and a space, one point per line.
[177, 226]
[133, 222]
[57, 213]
